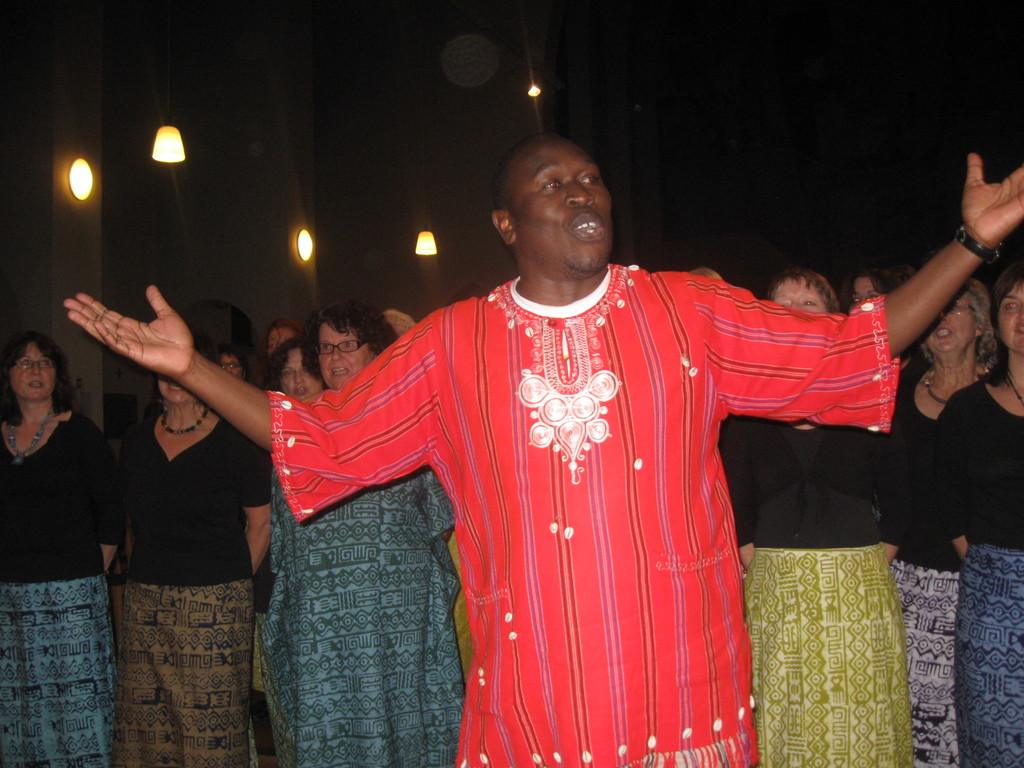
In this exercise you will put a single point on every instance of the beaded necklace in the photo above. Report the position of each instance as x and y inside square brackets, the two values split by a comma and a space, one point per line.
[927, 381]
[186, 430]
[19, 456]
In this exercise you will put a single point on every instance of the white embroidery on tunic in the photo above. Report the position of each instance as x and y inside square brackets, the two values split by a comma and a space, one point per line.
[566, 399]
[567, 382]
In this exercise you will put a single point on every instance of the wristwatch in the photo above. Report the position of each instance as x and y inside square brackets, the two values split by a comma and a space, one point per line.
[982, 251]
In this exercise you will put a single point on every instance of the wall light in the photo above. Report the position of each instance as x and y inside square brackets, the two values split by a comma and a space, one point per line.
[534, 91]
[167, 148]
[305, 245]
[425, 245]
[80, 179]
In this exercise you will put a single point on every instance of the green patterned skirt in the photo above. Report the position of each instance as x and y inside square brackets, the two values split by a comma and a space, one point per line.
[830, 677]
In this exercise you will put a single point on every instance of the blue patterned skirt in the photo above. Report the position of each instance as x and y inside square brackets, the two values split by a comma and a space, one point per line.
[56, 674]
[990, 658]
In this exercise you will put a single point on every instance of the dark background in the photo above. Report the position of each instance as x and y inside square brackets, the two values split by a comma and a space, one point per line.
[743, 136]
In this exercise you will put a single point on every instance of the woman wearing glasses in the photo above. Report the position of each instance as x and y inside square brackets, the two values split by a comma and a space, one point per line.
[60, 525]
[360, 630]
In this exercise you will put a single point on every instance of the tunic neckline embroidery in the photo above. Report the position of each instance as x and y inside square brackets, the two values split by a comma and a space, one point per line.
[567, 384]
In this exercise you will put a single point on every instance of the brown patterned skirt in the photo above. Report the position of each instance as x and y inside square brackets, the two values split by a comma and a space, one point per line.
[183, 677]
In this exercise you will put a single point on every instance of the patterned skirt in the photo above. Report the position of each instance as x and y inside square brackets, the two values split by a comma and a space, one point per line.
[56, 674]
[830, 676]
[990, 658]
[284, 742]
[929, 613]
[363, 664]
[183, 677]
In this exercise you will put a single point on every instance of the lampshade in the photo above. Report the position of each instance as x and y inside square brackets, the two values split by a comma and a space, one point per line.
[305, 245]
[425, 245]
[80, 179]
[168, 147]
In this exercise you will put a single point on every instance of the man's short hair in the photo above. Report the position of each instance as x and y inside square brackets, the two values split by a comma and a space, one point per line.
[499, 181]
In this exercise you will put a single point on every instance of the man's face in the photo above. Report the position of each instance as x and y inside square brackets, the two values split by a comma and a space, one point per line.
[558, 221]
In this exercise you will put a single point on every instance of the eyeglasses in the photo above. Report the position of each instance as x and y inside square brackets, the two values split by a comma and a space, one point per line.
[956, 309]
[27, 364]
[348, 345]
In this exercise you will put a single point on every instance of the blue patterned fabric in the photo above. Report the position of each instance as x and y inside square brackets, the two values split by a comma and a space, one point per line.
[360, 634]
[990, 658]
[56, 674]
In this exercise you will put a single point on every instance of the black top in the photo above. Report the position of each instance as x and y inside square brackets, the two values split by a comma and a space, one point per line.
[59, 506]
[186, 513]
[814, 488]
[926, 542]
[979, 469]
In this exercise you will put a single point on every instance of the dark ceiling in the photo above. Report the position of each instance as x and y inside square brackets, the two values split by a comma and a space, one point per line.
[744, 135]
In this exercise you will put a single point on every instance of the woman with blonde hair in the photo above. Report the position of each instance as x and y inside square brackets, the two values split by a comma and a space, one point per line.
[958, 349]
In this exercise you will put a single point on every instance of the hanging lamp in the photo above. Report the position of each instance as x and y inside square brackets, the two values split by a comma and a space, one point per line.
[425, 245]
[168, 146]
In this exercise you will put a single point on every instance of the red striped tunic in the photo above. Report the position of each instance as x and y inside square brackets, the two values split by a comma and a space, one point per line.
[592, 514]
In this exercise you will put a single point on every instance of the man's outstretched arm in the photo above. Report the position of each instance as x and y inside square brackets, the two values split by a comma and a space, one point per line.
[990, 213]
[165, 346]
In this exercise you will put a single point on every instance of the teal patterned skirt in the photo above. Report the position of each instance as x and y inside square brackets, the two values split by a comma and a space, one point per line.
[56, 674]
[363, 657]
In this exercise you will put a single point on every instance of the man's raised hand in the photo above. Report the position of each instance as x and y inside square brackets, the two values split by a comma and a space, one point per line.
[991, 211]
[163, 345]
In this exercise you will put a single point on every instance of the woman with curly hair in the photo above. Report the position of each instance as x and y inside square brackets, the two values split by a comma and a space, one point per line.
[360, 634]
[278, 331]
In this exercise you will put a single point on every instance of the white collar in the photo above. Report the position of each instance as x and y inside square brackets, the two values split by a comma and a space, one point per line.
[577, 307]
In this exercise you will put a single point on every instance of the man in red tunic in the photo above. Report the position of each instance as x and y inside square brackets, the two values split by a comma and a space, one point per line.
[573, 416]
